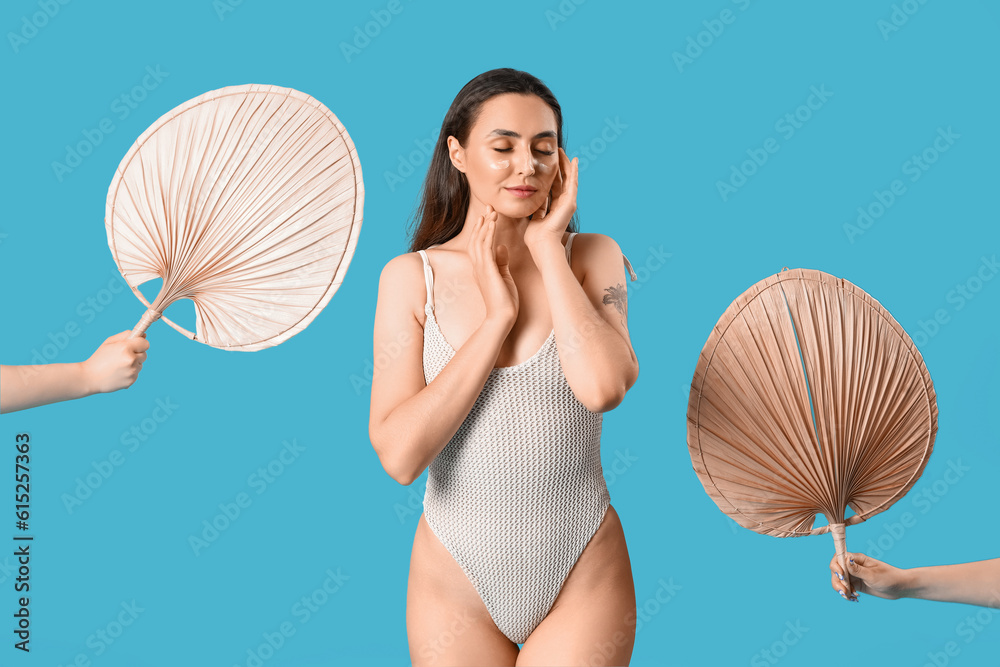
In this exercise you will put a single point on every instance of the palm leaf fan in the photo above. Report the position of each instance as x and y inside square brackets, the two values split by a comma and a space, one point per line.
[809, 398]
[246, 200]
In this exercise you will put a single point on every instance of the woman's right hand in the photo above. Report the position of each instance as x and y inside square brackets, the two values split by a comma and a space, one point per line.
[868, 575]
[493, 273]
[116, 363]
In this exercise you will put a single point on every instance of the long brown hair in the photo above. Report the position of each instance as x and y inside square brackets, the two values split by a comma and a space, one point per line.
[444, 198]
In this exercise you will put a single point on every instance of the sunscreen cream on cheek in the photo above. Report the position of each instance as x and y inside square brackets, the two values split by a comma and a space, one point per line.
[500, 164]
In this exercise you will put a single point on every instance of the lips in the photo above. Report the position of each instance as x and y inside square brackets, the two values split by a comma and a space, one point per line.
[522, 191]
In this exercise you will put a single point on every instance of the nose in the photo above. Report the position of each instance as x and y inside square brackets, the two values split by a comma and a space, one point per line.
[526, 162]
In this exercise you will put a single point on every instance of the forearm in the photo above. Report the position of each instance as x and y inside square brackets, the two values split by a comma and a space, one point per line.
[23, 387]
[416, 431]
[969, 583]
[595, 358]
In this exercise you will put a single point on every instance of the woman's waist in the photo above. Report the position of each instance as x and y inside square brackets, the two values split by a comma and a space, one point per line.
[552, 462]
[529, 489]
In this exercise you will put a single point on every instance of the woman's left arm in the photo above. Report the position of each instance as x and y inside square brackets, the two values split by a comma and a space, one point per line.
[590, 320]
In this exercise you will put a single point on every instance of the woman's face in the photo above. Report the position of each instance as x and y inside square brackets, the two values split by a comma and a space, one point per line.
[511, 155]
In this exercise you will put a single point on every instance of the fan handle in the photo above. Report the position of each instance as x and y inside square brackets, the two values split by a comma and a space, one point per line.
[148, 318]
[840, 541]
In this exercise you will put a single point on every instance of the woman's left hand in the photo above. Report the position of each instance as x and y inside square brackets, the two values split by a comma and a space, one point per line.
[545, 226]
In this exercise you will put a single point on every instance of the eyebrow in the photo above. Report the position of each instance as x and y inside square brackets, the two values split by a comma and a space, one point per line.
[512, 133]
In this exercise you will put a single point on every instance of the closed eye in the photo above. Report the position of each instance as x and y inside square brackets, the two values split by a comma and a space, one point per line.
[507, 150]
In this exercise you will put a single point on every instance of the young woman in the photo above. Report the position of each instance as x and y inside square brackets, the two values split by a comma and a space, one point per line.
[506, 338]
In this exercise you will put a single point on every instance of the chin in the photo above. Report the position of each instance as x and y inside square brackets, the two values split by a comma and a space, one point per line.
[518, 209]
[513, 211]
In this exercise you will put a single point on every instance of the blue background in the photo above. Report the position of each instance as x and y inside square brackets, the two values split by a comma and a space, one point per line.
[684, 125]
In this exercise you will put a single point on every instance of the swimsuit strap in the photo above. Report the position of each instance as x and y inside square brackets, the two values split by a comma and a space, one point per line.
[428, 278]
[628, 265]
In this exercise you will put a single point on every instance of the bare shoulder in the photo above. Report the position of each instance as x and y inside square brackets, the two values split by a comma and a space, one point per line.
[592, 250]
[401, 286]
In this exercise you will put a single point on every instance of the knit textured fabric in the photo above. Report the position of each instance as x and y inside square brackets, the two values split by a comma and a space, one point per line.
[518, 492]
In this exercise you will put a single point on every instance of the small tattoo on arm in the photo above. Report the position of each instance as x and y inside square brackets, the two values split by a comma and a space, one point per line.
[618, 296]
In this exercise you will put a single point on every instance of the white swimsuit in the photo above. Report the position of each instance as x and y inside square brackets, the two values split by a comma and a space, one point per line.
[518, 492]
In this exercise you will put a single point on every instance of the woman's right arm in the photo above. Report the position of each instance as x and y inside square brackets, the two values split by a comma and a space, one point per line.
[975, 583]
[114, 365]
[411, 421]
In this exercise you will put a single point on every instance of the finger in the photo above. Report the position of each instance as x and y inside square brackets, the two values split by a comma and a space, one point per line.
[488, 246]
[486, 241]
[854, 574]
[118, 336]
[565, 164]
[840, 579]
[838, 586]
[479, 240]
[502, 260]
[473, 246]
[837, 570]
[573, 181]
[858, 584]
[841, 582]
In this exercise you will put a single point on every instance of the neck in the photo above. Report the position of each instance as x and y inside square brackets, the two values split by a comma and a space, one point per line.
[509, 232]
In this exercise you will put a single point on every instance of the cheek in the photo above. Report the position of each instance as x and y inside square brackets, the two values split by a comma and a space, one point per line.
[500, 164]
